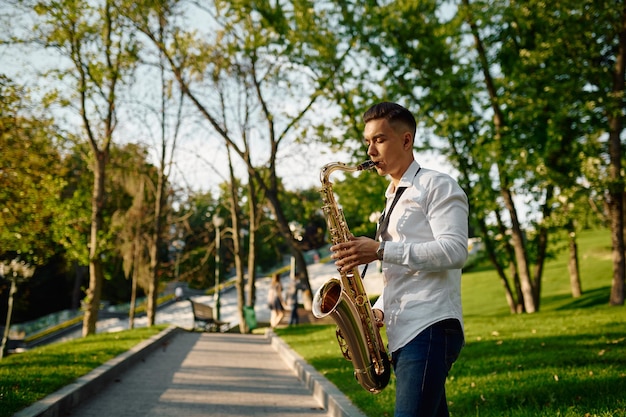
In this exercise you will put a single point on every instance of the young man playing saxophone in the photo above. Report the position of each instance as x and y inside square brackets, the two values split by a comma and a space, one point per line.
[423, 246]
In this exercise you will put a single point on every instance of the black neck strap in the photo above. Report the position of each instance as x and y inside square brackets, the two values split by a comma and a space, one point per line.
[383, 223]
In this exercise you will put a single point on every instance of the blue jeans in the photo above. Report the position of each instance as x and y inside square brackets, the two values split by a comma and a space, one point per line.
[421, 368]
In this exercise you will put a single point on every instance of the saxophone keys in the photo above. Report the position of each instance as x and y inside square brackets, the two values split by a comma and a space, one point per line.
[360, 300]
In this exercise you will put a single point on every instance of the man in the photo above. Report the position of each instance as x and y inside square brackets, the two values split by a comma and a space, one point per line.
[423, 246]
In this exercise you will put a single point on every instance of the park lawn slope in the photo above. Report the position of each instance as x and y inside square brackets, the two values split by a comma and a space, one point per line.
[27, 377]
[568, 359]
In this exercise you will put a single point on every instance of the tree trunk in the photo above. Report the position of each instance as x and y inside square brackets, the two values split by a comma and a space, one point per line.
[616, 184]
[153, 287]
[542, 246]
[519, 296]
[92, 299]
[572, 264]
[250, 284]
[252, 219]
[517, 239]
[491, 253]
[235, 221]
[499, 124]
[134, 278]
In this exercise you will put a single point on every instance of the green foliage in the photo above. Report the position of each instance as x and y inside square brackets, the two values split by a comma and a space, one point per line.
[29, 182]
[303, 207]
[280, 64]
[360, 196]
[517, 104]
[74, 217]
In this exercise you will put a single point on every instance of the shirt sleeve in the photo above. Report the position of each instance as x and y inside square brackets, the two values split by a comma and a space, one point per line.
[445, 211]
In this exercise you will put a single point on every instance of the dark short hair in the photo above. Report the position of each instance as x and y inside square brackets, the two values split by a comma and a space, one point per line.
[393, 113]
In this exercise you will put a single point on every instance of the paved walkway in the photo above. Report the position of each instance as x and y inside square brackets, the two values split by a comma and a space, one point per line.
[206, 374]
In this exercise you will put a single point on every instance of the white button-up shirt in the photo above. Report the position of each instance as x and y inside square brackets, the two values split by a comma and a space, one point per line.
[425, 250]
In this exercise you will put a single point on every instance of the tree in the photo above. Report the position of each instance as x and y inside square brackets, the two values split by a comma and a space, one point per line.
[419, 55]
[100, 55]
[132, 225]
[132, 244]
[253, 49]
[514, 119]
[29, 190]
[169, 116]
[617, 185]
[30, 185]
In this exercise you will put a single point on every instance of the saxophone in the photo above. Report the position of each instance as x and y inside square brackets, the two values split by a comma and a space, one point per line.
[347, 303]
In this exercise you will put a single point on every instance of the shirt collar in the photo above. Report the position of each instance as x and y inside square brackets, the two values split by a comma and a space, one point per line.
[406, 180]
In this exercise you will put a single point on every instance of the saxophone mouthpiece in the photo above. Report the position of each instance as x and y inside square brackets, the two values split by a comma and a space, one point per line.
[367, 165]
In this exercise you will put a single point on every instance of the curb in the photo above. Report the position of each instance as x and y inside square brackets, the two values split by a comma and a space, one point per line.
[327, 394]
[64, 400]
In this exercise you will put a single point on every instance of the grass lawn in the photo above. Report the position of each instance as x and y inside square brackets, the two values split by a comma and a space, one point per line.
[28, 377]
[569, 359]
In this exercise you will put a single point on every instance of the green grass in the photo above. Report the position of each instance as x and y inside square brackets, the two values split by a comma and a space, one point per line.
[567, 360]
[557, 363]
[28, 377]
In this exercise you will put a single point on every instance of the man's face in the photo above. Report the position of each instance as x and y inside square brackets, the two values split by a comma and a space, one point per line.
[391, 148]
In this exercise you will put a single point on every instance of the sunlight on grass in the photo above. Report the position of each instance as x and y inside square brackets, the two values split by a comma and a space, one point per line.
[28, 377]
[545, 364]
[567, 360]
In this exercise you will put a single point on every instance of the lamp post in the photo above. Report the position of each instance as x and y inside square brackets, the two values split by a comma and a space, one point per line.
[178, 246]
[297, 231]
[217, 222]
[12, 271]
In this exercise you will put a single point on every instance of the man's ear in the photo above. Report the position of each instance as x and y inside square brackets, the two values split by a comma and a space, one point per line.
[408, 140]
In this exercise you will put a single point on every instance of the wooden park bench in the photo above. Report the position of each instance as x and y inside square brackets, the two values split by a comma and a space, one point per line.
[204, 318]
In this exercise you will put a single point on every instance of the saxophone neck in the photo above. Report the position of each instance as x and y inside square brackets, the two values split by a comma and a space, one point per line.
[340, 166]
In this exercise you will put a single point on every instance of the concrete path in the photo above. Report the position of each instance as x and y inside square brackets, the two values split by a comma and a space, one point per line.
[206, 374]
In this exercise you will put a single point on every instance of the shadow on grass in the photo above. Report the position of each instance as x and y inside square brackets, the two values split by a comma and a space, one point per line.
[591, 298]
[586, 397]
[566, 375]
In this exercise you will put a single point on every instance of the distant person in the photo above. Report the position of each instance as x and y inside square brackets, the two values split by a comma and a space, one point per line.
[275, 301]
[293, 297]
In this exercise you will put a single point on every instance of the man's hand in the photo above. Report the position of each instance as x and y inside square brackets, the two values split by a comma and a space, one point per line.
[379, 316]
[357, 251]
